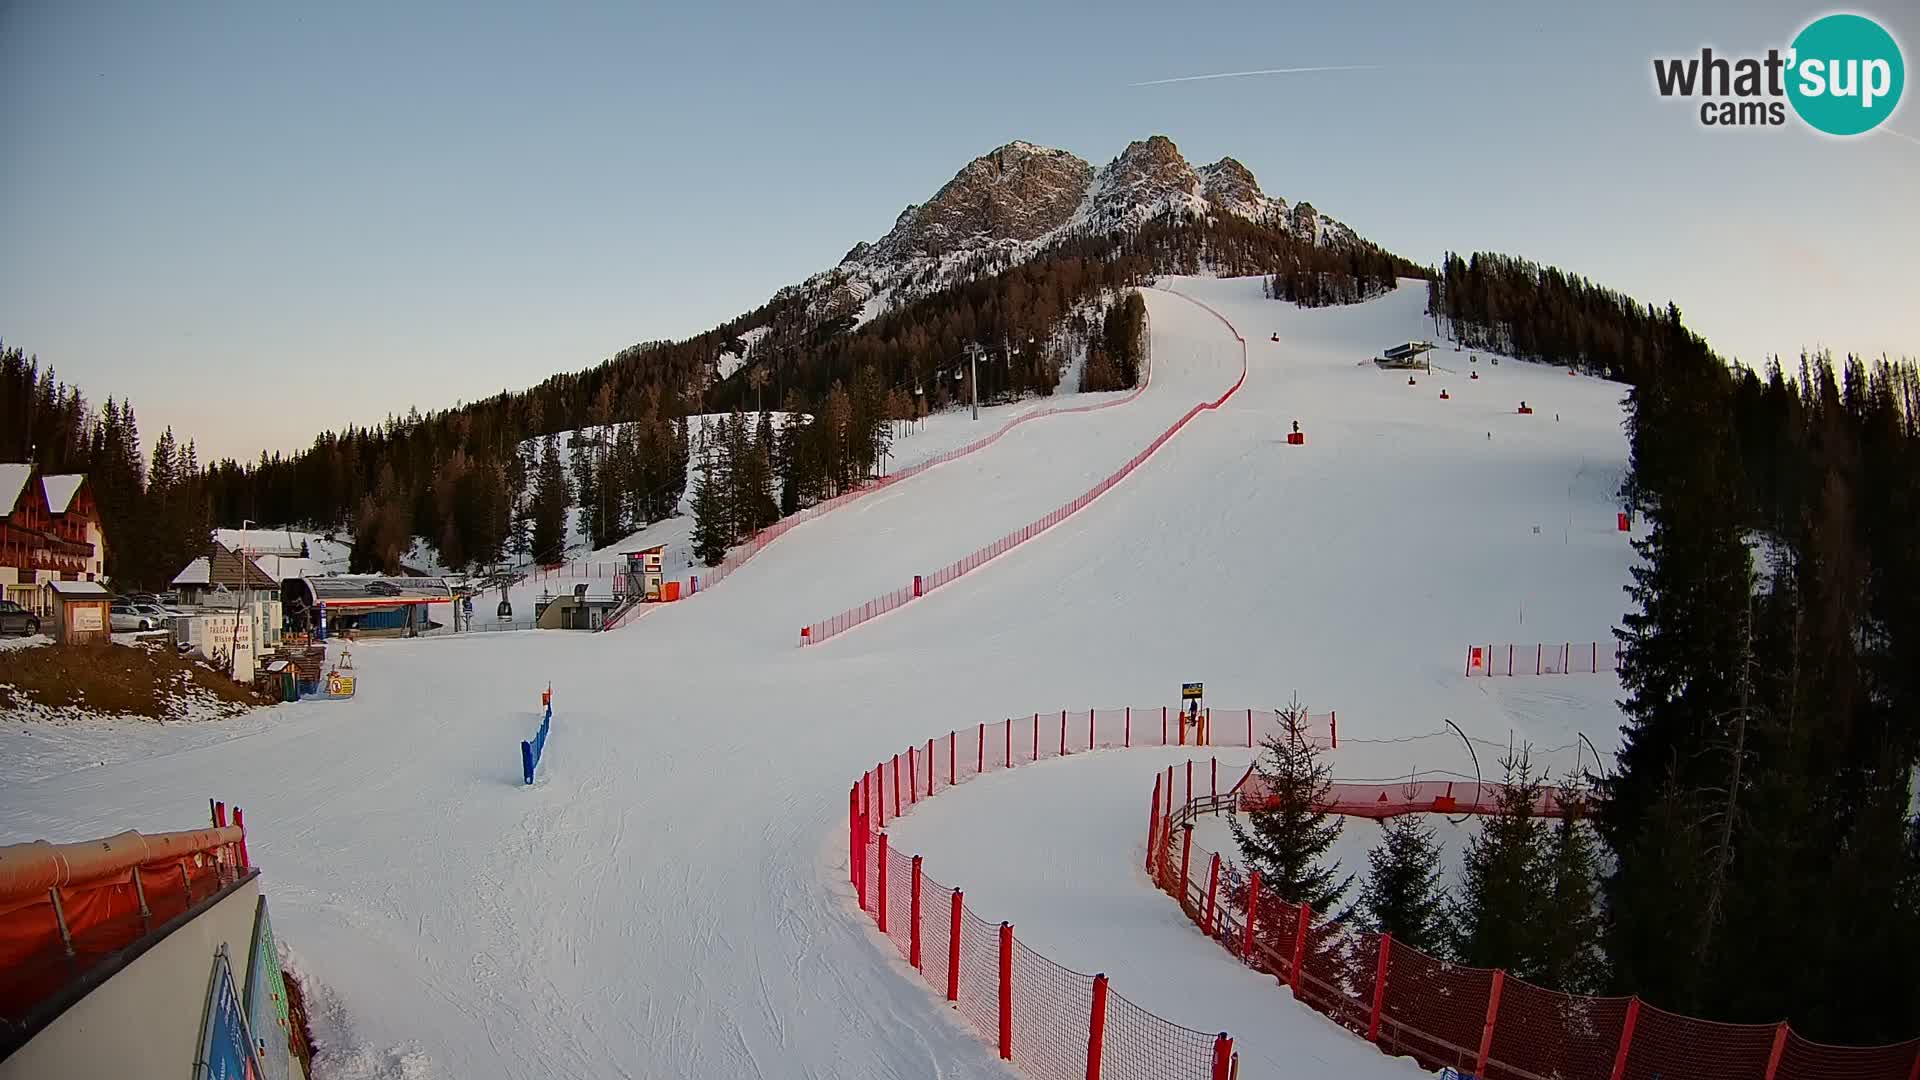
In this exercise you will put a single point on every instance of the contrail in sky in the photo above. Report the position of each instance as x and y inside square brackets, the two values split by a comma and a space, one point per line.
[1263, 71]
[1900, 134]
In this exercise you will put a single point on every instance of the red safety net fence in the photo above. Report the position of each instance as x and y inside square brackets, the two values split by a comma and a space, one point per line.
[1543, 658]
[1385, 799]
[1050, 1021]
[1478, 1021]
[739, 555]
[833, 626]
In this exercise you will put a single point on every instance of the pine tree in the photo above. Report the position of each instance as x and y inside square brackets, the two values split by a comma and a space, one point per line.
[1403, 894]
[586, 476]
[1501, 909]
[1288, 838]
[712, 532]
[551, 498]
[1570, 942]
[1682, 661]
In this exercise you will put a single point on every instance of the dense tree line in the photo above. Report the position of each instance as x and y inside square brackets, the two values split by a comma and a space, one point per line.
[157, 516]
[1762, 807]
[1322, 276]
[1519, 308]
[1114, 359]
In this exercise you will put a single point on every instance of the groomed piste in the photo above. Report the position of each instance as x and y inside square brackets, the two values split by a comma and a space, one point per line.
[673, 895]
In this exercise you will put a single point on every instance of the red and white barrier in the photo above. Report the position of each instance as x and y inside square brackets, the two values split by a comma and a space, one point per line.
[833, 626]
[1540, 658]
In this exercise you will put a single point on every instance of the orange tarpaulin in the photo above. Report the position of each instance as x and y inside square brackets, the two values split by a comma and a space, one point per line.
[99, 900]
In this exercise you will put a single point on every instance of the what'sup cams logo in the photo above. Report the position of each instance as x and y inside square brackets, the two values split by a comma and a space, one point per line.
[1842, 75]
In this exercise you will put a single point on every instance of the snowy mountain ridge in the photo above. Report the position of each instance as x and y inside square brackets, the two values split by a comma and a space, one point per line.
[1010, 204]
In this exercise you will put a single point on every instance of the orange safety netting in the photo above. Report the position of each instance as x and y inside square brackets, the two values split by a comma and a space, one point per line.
[1486, 1023]
[66, 907]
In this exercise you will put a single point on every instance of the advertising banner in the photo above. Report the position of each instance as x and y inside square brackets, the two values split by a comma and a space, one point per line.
[266, 999]
[226, 1049]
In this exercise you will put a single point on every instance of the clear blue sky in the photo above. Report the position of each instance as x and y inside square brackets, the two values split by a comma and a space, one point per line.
[261, 220]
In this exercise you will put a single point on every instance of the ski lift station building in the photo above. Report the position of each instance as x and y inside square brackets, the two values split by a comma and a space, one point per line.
[1409, 354]
[364, 603]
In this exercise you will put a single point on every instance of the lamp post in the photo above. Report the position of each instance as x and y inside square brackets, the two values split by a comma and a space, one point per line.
[973, 362]
[246, 596]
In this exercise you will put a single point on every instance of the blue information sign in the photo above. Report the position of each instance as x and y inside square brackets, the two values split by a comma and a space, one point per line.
[226, 1050]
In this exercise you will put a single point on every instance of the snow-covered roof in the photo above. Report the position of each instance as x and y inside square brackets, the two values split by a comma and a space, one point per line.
[282, 567]
[197, 572]
[13, 480]
[60, 489]
[272, 541]
[79, 588]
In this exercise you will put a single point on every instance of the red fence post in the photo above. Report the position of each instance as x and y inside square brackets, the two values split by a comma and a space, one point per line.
[1153, 823]
[930, 772]
[881, 906]
[1379, 987]
[1222, 1057]
[913, 917]
[1186, 861]
[896, 785]
[1006, 991]
[1333, 726]
[1128, 739]
[913, 778]
[1249, 727]
[1063, 733]
[853, 844]
[1779, 1048]
[952, 737]
[1486, 1033]
[1303, 920]
[1097, 1027]
[1009, 761]
[879, 801]
[1213, 892]
[1253, 912]
[1626, 1038]
[953, 946]
[1036, 736]
[1189, 801]
[980, 752]
[1163, 725]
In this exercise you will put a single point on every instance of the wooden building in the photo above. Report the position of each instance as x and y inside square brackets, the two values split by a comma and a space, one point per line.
[50, 532]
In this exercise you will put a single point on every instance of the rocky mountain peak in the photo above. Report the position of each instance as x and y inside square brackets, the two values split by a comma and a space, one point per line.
[1230, 186]
[1006, 205]
[1017, 192]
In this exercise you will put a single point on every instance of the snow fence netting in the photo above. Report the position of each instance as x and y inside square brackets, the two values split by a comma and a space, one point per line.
[1038, 1014]
[1480, 1021]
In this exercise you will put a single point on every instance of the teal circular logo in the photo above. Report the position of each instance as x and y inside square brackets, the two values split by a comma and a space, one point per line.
[1846, 74]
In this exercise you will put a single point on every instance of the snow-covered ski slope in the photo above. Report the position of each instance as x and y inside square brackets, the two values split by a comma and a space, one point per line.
[667, 900]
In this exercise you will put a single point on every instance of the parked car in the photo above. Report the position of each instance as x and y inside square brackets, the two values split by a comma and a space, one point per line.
[128, 617]
[15, 619]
